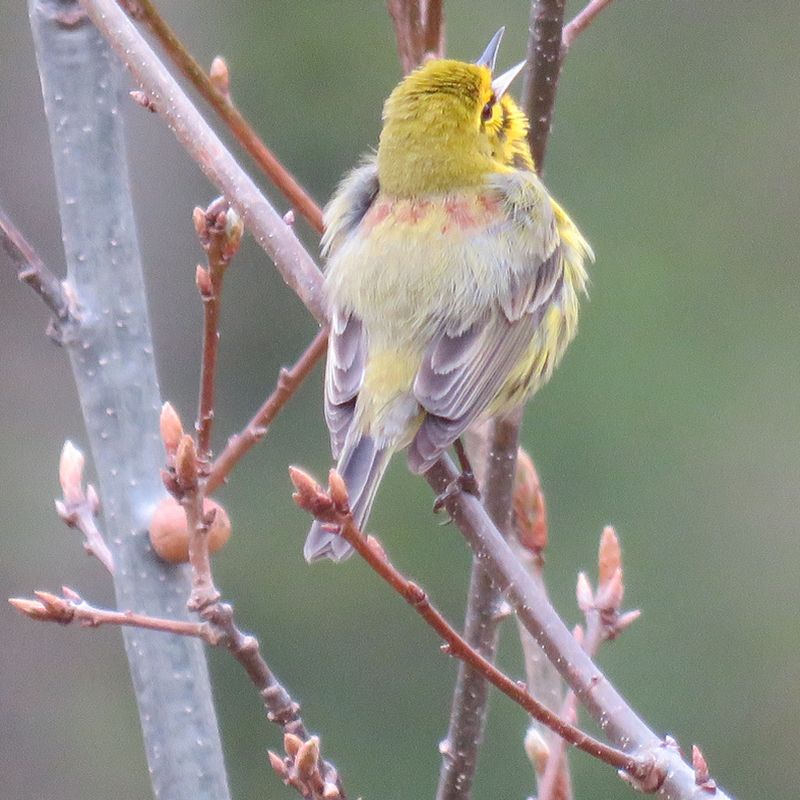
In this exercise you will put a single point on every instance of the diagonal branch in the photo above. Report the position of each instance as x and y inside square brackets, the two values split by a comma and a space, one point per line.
[217, 629]
[289, 381]
[619, 722]
[193, 132]
[32, 270]
[332, 508]
[221, 102]
[581, 21]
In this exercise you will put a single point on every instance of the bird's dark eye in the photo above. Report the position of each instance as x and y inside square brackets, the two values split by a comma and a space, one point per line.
[486, 114]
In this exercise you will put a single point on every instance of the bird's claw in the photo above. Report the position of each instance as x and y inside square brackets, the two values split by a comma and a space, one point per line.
[465, 482]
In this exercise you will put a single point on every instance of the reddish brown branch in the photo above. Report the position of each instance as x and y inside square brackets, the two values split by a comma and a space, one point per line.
[220, 232]
[71, 608]
[433, 27]
[582, 20]
[221, 102]
[289, 381]
[317, 778]
[268, 228]
[332, 508]
[418, 29]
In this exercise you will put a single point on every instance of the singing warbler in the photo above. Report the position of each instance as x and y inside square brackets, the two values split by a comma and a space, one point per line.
[452, 278]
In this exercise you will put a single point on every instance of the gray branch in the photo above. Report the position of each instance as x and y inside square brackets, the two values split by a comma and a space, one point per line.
[618, 721]
[112, 361]
[494, 454]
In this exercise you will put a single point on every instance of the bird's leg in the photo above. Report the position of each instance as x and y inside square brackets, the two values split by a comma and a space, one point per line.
[465, 482]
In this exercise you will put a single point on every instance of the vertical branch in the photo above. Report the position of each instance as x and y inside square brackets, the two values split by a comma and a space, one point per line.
[541, 73]
[112, 361]
[496, 462]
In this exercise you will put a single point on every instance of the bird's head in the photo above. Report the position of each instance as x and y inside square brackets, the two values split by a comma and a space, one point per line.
[450, 123]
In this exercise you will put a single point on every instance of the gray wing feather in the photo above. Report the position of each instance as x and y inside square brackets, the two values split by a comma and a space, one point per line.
[462, 372]
[344, 374]
[344, 371]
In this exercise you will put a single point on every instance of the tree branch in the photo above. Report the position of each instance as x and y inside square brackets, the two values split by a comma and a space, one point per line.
[619, 722]
[332, 508]
[111, 354]
[496, 459]
[222, 103]
[219, 229]
[572, 30]
[289, 381]
[193, 132]
[32, 271]
[218, 629]
[541, 73]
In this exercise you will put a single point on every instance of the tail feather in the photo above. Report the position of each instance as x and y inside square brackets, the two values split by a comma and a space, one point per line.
[362, 465]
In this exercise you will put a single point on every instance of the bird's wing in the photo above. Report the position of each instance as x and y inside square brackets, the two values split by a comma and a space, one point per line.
[350, 203]
[344, 374]
[463, 371]
[344, 371]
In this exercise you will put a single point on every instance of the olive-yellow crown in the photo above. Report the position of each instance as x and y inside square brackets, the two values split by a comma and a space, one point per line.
[447, 125]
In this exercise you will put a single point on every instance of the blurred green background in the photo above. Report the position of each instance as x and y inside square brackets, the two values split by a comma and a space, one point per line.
[674, 416]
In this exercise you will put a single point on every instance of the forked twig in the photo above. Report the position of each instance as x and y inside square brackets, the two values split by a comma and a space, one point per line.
[303, 767]
[222, 103]
[332, 507]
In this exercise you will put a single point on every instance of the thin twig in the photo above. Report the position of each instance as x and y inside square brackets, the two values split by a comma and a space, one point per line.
[193, 132]
[289, 380]
[224, 106]
[72, 608]
[32, 270]
[601, 609]
[581, 21]
[332, 508]
[218, 629]
[219, 229]
[78, 507]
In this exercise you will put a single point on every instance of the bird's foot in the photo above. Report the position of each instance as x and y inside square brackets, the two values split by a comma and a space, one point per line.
[465, 482]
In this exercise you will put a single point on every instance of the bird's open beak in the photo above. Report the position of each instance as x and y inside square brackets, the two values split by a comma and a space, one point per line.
[501, 83]
[489, 56]
[489, 59]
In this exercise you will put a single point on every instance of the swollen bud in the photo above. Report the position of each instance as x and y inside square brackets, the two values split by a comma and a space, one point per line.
[537, 750]
[530, 511]
[171, 428]
[220, 76]
[338, 491]
[186, 470]
[292, 744]
[609, 555]
[169, 532]
[308, 757]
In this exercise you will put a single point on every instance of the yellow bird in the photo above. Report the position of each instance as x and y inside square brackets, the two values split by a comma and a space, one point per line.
[452, 278]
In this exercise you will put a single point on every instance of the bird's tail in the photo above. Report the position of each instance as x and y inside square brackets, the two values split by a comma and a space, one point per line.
[362, 465]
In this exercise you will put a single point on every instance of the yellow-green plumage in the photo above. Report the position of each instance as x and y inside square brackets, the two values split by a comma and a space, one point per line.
[452, 281]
